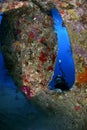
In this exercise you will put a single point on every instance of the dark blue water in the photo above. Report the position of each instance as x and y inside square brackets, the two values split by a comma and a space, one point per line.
[64, 66]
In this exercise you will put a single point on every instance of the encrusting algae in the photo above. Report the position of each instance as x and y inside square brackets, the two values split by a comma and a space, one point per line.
[82, 77]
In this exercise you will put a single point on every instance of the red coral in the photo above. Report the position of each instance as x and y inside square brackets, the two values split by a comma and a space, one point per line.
[50, 68]
[31, 35]
[25, 78]
[42, 57]
[43, 39]
[62, 12]
[27, 91]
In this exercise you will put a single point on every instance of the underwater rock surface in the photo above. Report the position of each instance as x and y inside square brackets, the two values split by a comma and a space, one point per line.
[29, 49]
[71, 106]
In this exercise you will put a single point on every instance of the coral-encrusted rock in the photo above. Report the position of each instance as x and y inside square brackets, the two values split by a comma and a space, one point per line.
[29, 46]
[29, 42]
